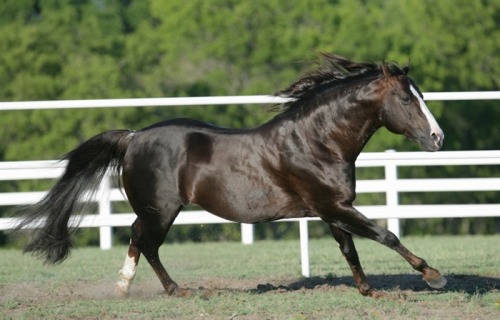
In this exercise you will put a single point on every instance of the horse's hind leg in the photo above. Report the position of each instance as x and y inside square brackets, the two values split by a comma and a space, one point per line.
[346, 246]
[146, 239]
[129, 269]
[150, 239]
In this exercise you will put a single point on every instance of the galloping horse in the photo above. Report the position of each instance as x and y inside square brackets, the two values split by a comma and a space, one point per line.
[301, 163]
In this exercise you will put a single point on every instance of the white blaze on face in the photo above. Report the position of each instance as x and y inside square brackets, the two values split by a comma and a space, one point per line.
[435, 129]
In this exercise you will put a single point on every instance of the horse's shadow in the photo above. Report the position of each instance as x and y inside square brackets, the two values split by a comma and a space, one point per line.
[469, 284]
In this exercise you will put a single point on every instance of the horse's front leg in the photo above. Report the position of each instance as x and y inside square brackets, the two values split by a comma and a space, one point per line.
[351, 220]
[346, 246]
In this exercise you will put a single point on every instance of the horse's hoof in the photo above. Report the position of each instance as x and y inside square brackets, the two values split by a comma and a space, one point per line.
[171, 288]
[437, 283]
[377, 294]
[182, 293]
[120, 291]
[368, 291]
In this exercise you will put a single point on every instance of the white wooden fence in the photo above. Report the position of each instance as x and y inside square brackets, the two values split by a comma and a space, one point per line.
[391, 185]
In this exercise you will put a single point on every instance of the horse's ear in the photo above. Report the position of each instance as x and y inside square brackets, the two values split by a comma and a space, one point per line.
[385, 70]
[406, 69]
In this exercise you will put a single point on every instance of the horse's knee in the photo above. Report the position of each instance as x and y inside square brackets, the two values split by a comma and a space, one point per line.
[348, 252]
[389, 239]
[343, 248]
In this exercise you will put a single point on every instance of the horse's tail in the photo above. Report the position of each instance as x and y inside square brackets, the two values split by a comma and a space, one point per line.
[87, 164]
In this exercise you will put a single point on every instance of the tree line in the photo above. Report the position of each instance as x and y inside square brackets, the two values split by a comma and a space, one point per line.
[95, 49]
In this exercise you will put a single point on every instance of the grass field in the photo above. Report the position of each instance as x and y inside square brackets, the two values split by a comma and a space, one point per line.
[259, 281]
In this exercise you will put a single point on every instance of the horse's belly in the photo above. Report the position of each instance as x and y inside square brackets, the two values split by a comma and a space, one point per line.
[242, 190]
[253, 206]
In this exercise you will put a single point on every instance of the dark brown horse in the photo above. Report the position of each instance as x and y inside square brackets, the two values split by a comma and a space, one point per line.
[299, 164]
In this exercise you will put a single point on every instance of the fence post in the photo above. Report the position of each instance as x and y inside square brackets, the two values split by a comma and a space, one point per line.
[246, 233]
[391, 196]
[304, 247]
[105, 233]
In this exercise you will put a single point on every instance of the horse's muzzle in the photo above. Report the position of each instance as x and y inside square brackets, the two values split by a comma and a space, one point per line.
[437, 137]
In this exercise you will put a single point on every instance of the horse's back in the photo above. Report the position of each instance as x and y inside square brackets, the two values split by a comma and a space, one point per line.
[167, 157]
[222, 170]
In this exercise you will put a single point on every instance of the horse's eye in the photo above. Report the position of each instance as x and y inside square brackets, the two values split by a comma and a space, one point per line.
[406, 100]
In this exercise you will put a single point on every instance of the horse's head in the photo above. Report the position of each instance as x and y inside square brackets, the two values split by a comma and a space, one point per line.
[404, 112]
[393, 100]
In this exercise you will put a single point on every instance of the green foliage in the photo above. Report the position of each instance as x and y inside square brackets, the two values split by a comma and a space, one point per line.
[108, 49]
[55, 50]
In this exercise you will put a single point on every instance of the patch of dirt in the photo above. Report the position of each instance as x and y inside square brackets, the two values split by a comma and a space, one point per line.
[399, 285]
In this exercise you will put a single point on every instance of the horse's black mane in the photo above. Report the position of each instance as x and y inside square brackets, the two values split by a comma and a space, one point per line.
[336, 71]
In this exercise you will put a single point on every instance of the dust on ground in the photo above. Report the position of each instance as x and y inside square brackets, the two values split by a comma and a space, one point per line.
[397, 285]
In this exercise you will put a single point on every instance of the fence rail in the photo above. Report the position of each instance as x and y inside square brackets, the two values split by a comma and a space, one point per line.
[221, 100]
[391, 185]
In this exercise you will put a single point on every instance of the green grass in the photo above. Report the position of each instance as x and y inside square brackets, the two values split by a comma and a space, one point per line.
[260, 281]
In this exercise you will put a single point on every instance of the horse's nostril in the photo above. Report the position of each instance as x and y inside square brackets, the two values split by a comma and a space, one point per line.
[437, 137]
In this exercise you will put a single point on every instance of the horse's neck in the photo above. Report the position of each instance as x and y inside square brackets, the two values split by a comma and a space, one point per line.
[342, 126]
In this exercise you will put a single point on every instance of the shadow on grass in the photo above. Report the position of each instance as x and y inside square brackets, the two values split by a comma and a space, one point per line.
[456, 283]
